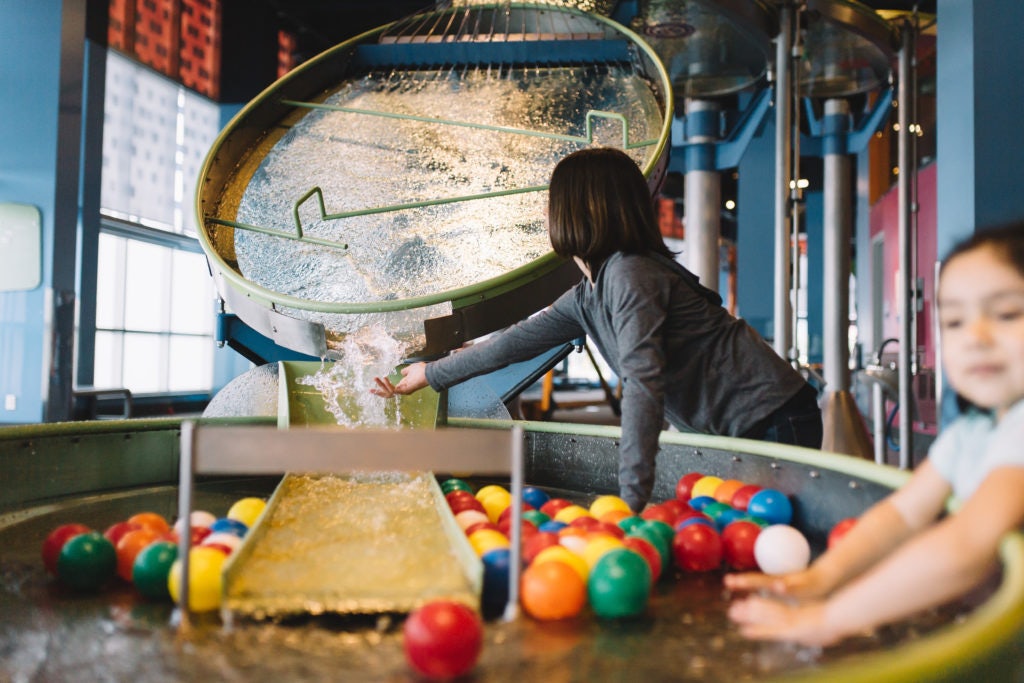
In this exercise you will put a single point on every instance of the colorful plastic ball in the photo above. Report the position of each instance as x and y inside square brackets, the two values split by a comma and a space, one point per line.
[223, 538]
[495, 586]
[225, 525]
[697, 548]
[151, 520]
[839, 530]
[559, 553]
[552, 590]
[197, 518]
[741, 499]
[705, 487]
[459, 501]
[627, 524]
[496, 503]
[596, 548]
[684, 486]
[56, 539]
[87, 561]
[553, 505]
[442, 639]
[615, 516]
[553, 526]
[536, 543]
[535, 517]
[781, 549]
[468, 518]
[247, 510]
[619, 585]
[535, 497]
[713, 510]
[727, 517]
[726, 490]
[490, 490]
[486, 540]
[738, 540]
[455, 484]
[205, 568]
[771, 505]
[610, 529]
[645, 549]
[506, 514]
[114, 532]
[570, 512]
[661, 528]
[477, 526]
[603, 504]
[130, 545]
[698, 503]
[656, 539]
[659, 513]
[699, 519]
[152, 567]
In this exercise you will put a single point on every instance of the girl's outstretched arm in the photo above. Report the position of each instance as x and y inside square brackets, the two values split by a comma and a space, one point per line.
[934, 567]
[883, 527]
[414, 378]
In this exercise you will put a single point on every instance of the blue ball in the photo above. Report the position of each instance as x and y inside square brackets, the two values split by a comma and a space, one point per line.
[534, 496]
[701, 502]
[552, 525]
[726, 516]
[229, 526]
[772, 506]
[496, 567]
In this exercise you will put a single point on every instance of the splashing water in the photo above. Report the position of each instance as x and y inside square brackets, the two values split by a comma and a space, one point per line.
[345, 384]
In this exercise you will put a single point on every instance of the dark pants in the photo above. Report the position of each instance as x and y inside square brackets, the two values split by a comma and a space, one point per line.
[797, 422]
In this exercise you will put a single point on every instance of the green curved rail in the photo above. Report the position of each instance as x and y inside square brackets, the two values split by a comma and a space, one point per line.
[458, 297]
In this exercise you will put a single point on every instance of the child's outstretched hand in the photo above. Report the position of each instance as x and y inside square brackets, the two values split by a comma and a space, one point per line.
[803, 584]
[414, 378]
[771, 619]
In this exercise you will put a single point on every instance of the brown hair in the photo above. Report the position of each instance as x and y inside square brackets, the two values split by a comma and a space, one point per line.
[598, 204]
[1007, 241]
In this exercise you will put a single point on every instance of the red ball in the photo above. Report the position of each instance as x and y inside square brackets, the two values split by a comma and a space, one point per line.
[463, 500]
[585, 522]
[114, 532]
[527, 528]
[646, 550]
[442, 639]
[537, 542]
[738, 544]
[697, 548]
[840, 529]
[553, 505]
[685, 485]
[610, 529]
[481, 525]
[660, 513]
[742, 497]
[56, 540]
[506, 514]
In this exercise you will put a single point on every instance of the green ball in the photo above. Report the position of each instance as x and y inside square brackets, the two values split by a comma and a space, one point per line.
[661, 528]
[761, 522]
[536, 517]
[619, 584]
[87, 561]
[627, 524]
[714, 510]
[450, 485]
[151, 567]
[657, 539]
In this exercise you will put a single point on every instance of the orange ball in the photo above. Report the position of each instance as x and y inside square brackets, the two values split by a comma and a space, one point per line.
[726, 490]
[552, 590]
[615, 516]
[150, 520]
[130, 545]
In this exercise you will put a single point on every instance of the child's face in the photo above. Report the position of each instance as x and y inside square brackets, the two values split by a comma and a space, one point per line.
[981, 316]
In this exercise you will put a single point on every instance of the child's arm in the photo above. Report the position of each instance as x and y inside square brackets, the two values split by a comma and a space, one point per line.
[934, 567]
[883, 527]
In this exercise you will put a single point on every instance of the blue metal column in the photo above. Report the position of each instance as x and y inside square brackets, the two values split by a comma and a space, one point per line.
[703, 193]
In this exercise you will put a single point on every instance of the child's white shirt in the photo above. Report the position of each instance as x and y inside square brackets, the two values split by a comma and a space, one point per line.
[974, 445]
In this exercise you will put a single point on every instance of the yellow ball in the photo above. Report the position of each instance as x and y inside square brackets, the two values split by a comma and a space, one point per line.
[488, 490]
[205, 579]
[247, 510]
[557, 553]
[705, 486]
[597, 547]
[496, 503]
[571, 512]
[485, 540]
[604, 504]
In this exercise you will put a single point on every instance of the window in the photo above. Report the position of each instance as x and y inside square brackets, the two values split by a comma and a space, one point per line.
[154, 299]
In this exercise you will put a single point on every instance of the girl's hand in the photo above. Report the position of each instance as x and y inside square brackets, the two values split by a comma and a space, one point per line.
[414, 378]
[771, 619]
[803, 584]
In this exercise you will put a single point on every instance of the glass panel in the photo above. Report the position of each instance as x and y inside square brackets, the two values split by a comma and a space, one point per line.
[192, 294]
[147, 287]
[191, 364]
[110, 282]
[201, 125]
[144, 363]
[107, 364]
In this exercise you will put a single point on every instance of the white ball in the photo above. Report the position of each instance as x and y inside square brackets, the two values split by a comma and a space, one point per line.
[468, 518]
[198, 518]
[781, 549]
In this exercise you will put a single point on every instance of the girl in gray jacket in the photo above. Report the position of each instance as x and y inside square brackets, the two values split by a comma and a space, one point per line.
[680, 356]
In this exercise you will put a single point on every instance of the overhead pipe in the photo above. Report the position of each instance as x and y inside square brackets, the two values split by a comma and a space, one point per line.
[906, 265]
[782, 309]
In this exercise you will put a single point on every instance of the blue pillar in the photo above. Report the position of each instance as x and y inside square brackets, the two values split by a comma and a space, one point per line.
[755, 231]
[30, 50]
[980, 95]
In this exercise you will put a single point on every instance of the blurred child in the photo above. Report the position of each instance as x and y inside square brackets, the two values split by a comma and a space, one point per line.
[679, 354]
[900, 557]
